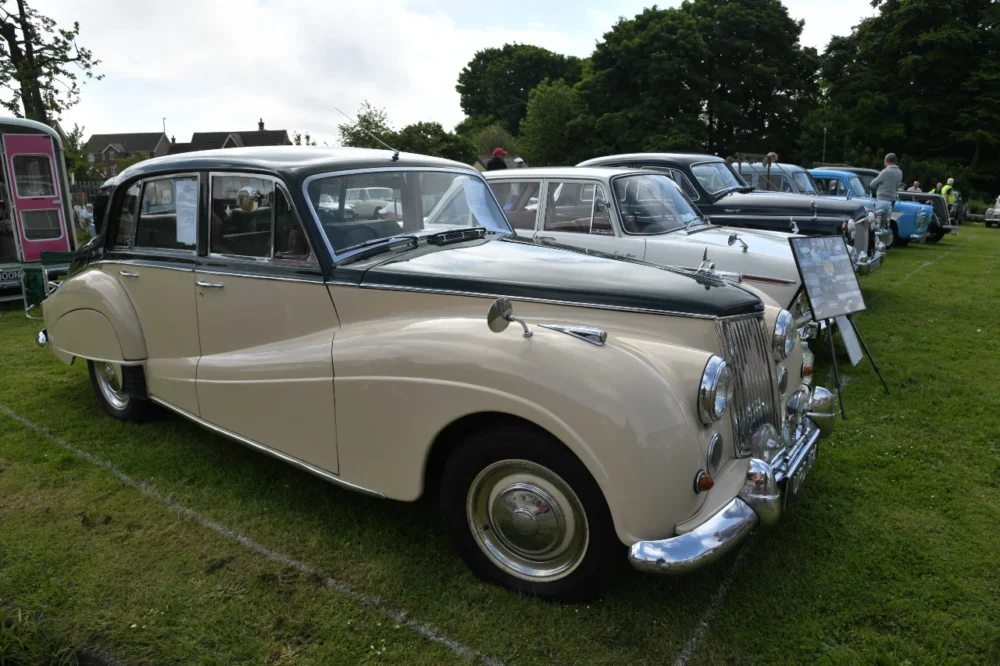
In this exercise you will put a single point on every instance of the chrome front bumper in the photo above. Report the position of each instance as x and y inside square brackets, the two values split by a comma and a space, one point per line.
[884, 236]
[867, 265]
[759, 502]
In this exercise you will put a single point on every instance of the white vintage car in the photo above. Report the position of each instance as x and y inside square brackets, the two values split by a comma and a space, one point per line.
[562, 407]
[993, 215]
[642, 215]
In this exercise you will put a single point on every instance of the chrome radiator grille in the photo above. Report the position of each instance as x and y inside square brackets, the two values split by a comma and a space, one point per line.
[747, 350]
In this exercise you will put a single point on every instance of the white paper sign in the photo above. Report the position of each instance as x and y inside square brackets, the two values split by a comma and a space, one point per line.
[850, 338]
[186, 200]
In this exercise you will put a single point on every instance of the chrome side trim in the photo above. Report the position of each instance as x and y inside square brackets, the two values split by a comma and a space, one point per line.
[148, 263]
[312, 469]
[260, 276]
[528, 299]
[594, 336]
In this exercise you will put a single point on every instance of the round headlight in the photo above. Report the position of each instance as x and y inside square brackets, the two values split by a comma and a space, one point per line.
[849, 227]
[871, 216]
[716, 390]
[784, 335]
[765, 443]
[714, 453]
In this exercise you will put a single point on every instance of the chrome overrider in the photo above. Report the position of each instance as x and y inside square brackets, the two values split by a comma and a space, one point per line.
[759, 502]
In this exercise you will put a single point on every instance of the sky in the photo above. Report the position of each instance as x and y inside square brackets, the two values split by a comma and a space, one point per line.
[223, 64]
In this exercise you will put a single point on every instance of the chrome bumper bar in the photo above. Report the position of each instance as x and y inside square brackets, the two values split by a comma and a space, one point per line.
[869, 265]
[759, 502]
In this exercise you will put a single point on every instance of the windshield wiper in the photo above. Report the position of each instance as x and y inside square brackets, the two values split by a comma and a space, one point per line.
[376, 246]
[455, 235]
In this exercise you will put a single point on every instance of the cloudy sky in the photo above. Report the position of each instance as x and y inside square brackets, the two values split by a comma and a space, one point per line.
[221, 65]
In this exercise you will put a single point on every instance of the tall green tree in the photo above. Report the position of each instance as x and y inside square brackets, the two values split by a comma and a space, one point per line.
[370, 128]
[494, 86]
[556, 130]
[432, 139]
[41, 65]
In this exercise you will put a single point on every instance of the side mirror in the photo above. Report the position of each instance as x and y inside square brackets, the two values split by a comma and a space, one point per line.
[734, 239]
[500, 315]
[248, 199]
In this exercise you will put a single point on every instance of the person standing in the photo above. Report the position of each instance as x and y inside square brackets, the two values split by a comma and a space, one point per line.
[937, 189]
[948, 192]
[915, 187]
[886, 184]
[519, 163]
[497, 162]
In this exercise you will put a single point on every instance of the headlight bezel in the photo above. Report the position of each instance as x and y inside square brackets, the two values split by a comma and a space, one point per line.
[784, 336]
[716, 375]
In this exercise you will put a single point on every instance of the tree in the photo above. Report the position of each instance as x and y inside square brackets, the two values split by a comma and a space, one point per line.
[40, 64]
[370, 126]
[494, 136]
[494, 86]
[432, 139]
[555, 129]
[303, 139]
[75, 151]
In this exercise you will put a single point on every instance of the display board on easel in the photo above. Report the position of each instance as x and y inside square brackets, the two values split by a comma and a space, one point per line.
[834, 295]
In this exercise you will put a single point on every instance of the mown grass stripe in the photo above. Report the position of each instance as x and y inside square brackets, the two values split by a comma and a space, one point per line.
[401, 617]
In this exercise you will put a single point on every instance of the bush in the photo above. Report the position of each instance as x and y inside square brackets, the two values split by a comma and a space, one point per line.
[977, 207]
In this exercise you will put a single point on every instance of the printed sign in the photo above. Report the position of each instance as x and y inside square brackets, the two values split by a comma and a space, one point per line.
[186, 200]
[828, 276]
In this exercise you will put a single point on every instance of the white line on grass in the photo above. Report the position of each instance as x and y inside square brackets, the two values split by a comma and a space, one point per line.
[425, 630]
[693, 643]
[926, 264]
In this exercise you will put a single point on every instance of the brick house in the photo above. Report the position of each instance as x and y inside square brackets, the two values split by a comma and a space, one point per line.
[214, 140]
[104, 150]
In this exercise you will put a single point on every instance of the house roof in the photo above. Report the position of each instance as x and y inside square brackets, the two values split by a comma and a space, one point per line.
[126, 143]
[246, 139]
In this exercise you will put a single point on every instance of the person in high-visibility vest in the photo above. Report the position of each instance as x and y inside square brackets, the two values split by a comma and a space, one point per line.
[948, 191]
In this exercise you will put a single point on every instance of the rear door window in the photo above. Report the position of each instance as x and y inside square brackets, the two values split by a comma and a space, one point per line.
[168, 218]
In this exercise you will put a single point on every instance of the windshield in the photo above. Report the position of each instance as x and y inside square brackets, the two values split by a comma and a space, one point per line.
[407, 202]
[652, 204]
[857, 187]
[805, 182]
[716, 176]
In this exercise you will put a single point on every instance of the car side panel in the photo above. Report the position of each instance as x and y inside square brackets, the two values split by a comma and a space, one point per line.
[96, 290]
[87, 333]
[408, 364]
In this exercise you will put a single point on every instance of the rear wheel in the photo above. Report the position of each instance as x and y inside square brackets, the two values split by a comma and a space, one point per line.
[524, 512]
[934, 234]
[106, 378]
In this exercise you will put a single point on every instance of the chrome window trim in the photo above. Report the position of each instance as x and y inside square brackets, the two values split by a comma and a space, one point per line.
[301, 464]
[352, 172]
[141, 262]
[260, 276]
[581, 180]
[529, 299]
[141, 182]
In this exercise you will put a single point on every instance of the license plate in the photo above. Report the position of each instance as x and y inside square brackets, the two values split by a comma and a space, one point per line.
[798, 475]
[12, 275]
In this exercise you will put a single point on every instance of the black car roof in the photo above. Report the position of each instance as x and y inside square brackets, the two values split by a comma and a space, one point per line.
[677, 158]
[286, 160]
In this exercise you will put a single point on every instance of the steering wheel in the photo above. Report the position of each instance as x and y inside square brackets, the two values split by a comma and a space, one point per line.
[356, 235]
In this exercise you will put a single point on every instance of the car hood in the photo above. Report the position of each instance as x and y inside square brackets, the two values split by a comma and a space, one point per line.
[781, 203]
[519, 269]
[759, 242]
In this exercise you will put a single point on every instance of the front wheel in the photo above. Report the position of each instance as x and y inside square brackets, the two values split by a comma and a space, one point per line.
[106, 378]
[524, 512]
[935, 234]
[898, 240]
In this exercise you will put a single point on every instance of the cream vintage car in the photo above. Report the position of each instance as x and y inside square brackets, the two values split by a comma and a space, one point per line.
[563, 407]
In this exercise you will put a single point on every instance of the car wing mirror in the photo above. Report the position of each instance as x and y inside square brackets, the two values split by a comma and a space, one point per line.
[500, 314]
[734, 239]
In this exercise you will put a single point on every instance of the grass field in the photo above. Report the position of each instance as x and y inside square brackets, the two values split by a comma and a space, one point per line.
[165, 544]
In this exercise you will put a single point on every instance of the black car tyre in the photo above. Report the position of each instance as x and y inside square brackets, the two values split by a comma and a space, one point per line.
[897, 240]
[934, 234]
[524, 512]
[106, 380]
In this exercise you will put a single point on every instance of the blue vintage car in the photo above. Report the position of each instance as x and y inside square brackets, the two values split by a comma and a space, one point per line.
[908, 220]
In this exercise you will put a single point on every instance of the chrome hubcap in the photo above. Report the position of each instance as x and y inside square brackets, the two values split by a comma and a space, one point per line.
[527, 520]
[110, 383]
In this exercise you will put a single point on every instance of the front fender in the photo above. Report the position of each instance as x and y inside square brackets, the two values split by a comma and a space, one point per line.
[625, 409]
[96, 292]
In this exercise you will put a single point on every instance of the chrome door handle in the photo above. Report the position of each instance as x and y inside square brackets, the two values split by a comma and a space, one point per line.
[210, 285]
[125, 273]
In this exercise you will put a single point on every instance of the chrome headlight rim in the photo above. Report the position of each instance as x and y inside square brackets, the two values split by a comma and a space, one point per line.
[784, 336]
[711, 405]
[849, 230]
[871, 217]
[713, 458]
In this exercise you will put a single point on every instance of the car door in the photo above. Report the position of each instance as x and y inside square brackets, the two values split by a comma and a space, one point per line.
[520, 202]
[153, 257]
[578, 213]
[265, 323]
[37, 206]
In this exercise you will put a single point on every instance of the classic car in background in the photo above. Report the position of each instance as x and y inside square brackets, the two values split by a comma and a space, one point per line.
[642, 215]
[779, 177]
[562, 404]
[35, 210]
[941, 219]
[908, 220]
[725, 199]
[993, 215]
